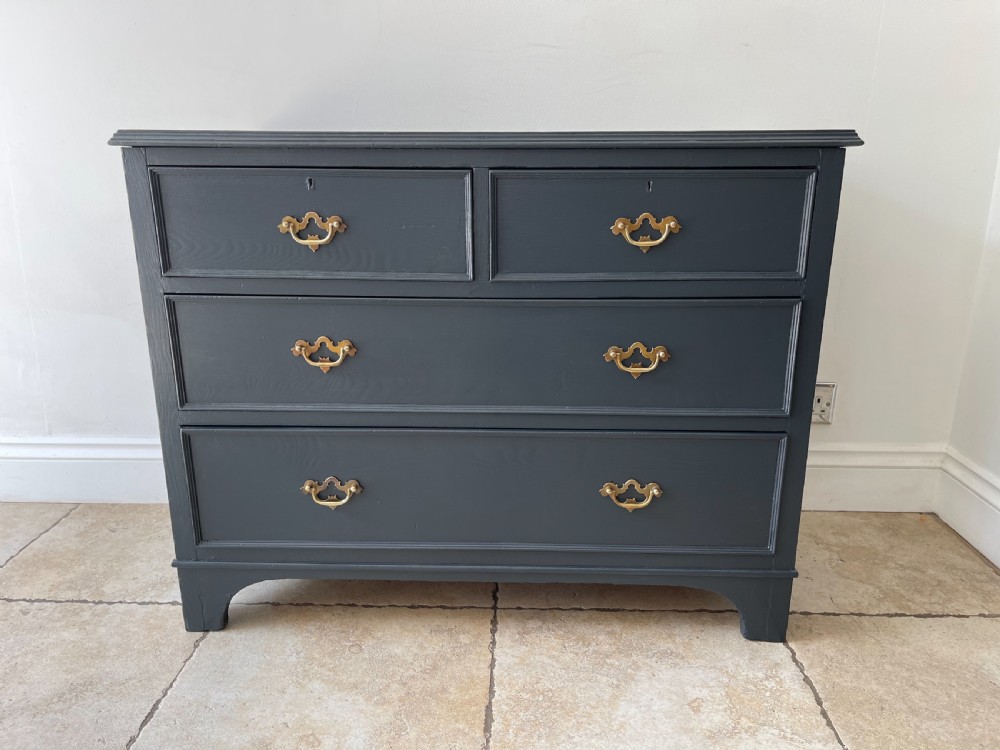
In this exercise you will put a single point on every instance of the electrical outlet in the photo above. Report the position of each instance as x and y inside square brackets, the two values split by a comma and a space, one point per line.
[826, 395]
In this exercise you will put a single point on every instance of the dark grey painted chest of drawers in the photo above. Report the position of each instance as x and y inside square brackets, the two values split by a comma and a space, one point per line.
[501, 357]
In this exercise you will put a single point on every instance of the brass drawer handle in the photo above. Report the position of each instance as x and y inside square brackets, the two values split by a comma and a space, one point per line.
[312, 488]
[665, 226]
[655, 355]
[292, 226]
[342, 349]
[648, 492]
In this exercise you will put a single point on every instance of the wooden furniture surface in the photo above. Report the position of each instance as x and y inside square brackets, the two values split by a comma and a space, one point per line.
[576, 357]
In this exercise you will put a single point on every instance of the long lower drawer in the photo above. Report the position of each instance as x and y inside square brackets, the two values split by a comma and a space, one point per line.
[684, 357]
[712, 492]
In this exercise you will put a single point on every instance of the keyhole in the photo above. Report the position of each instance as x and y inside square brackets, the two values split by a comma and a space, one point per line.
[649, 186]
[309, 183]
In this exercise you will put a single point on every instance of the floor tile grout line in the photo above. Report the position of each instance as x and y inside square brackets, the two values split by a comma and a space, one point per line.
[359, 605]
[894, 615]
[459, 607]
[488, 713]
[40, 535]
[815, 692]
[25, 600]
[619, 609]
[156, 705]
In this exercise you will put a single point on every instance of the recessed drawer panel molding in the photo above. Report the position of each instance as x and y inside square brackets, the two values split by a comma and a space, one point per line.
[612, 225]
[316, 223]
[489, 488]
[710, 357]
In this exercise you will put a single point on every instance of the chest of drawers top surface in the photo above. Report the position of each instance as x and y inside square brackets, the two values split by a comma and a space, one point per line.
[497, 356]
[479, 140]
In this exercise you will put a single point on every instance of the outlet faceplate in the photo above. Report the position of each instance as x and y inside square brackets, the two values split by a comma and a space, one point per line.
[823, 401]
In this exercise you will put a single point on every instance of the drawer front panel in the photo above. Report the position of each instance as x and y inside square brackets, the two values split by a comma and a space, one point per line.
[726, 357]
[401, 224]
[488, 488]
[556, 225]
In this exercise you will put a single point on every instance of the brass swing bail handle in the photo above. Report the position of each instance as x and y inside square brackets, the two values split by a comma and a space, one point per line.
[342, 350]
[331, 224]
[625, 226]
[655, 355]
[350, 488]
[612, 490]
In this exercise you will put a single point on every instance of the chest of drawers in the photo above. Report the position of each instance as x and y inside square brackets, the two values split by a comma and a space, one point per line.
[500, 357]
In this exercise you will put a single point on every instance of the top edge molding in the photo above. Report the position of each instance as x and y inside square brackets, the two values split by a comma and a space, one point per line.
[663, 139]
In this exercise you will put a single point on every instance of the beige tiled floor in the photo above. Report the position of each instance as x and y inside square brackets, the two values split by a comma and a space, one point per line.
[894, 643]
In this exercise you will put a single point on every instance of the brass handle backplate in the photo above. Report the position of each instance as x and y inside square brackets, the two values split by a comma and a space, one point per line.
[648, 492]
[665, 226]
[343, 350]
[292, 226]
[655, 355]
[313, 488]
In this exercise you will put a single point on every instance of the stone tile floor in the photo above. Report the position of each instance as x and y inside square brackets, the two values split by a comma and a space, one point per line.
[894, 643]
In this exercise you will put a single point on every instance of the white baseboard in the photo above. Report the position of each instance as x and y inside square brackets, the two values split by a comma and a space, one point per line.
[871, 489]
[969, 502]
[81, 470]
[866, 477]
[928, 478]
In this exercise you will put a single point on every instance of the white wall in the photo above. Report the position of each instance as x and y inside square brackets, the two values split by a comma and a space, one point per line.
[911, 232]
[976, 431]
[970, 500]
[918, 79]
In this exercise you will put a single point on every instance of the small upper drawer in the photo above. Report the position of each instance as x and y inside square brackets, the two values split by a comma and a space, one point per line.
[400, 224]
[715, 224]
